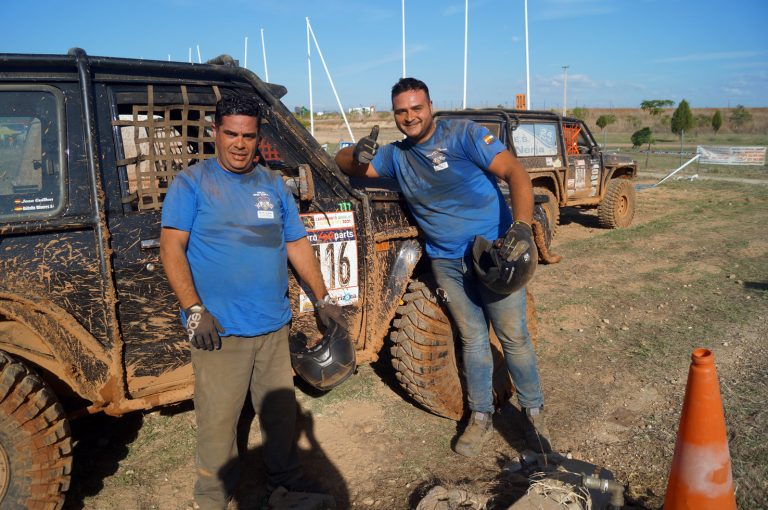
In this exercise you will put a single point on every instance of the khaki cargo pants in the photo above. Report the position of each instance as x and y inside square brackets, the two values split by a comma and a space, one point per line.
[223, 379]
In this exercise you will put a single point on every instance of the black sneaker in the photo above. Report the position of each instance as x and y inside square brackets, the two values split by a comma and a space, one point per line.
[471, 441]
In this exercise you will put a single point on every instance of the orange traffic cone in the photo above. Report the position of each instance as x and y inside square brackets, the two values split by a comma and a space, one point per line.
[700, 477]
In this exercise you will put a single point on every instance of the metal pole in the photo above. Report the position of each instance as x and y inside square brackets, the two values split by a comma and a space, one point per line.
[333, 87]
[199, 57]
[466, 35]
[309, 72]
[245, 57]
[527, 69]
[404, 75]
[264, 56]
[190, 55]
[565, 88]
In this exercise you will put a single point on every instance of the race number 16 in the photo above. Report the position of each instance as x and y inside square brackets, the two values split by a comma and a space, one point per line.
[334, 263]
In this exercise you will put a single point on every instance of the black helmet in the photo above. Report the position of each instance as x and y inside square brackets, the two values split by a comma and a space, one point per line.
[500, 275]
[328, 363]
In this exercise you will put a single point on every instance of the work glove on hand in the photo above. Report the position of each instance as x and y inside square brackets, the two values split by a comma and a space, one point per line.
[366, 148]
[515, 242]
[202, 328]
[328, 310]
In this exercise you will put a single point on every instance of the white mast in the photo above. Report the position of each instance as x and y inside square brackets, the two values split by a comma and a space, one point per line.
[528, 101]
[330, 80]
[245, 57]
[309, 67]
[466, 35]
[264, 56]
[404, 39]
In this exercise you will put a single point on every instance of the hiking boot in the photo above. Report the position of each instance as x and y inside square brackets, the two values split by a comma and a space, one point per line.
[536, 431]
[479, 429]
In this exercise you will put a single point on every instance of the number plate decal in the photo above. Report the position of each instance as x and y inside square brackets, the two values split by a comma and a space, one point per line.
[333, 238]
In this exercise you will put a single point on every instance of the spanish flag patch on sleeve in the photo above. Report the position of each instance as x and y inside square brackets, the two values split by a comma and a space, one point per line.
[488, 139]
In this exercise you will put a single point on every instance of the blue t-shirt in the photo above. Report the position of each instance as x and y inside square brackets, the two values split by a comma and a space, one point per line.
[447, 187]
[238, 226]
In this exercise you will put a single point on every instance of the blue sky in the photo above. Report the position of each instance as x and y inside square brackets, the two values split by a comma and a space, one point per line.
[618, 52]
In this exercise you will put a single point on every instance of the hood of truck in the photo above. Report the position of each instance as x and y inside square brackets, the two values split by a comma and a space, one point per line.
[615, 160]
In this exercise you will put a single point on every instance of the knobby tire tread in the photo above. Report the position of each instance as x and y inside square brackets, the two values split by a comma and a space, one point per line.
[607, 212]
[36, 437]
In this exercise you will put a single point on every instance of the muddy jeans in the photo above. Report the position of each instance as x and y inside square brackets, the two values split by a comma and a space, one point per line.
[223, 379]
[472, 306]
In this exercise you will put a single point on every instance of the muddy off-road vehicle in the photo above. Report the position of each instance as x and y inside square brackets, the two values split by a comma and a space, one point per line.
[88, 323]
[564, 161]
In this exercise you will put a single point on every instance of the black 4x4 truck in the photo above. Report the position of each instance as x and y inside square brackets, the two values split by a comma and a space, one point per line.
[88, 323]
[564, 161]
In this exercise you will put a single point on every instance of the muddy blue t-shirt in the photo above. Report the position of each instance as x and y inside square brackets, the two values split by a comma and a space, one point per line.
[448, 189]
[238, 226]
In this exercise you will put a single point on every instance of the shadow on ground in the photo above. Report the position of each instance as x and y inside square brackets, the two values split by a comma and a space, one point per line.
[101, 443]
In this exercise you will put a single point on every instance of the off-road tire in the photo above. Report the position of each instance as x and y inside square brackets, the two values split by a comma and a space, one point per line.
[35, 441]
[424, 353]
[617, 208]
[551, 209]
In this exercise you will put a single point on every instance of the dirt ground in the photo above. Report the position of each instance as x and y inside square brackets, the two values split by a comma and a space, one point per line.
[618, 320]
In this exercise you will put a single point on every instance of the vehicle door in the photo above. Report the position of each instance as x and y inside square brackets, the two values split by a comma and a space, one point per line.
[48, 246]
[583, 179]
[151, 131]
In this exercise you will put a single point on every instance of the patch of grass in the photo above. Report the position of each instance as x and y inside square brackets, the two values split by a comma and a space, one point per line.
[359, 386]
[746, 411]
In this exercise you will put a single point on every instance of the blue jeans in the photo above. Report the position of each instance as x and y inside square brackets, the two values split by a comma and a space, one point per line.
[472, 307]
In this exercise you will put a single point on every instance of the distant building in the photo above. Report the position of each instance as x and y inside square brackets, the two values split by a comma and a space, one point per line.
[363, 110]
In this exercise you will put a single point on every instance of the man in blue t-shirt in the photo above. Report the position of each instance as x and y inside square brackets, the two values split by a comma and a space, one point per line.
[229, 228]
[447, 170]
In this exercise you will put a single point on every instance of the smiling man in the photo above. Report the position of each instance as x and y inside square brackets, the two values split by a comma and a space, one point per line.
[229, 229]
[447, 171]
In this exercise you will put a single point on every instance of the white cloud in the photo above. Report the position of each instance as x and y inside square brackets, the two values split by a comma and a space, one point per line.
[706, 57]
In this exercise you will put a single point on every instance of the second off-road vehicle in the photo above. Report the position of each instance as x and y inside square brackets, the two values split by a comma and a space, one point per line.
[88, 323]
[564, 161]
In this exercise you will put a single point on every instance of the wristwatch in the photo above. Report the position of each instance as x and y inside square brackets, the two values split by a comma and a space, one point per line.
[196, 308]
[322, 302]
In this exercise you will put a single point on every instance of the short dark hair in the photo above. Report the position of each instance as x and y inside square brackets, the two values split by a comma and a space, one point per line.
[406, 84]
[237, 102]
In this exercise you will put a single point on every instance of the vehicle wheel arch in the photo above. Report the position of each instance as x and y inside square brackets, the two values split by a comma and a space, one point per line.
[620, 173]
[549, 183]
[49, 339]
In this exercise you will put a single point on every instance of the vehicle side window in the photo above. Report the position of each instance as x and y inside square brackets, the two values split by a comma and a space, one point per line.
[31, 154]
[576, 139]
[493, 127]
[535, 139]
[161, 130]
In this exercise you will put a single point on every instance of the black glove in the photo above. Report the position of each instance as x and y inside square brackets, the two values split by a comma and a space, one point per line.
[328, 310]
[203, 328]
[515, 242]
[366, 148]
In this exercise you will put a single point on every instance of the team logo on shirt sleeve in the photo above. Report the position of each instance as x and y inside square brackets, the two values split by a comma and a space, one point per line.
[264, 205]
[488, 139]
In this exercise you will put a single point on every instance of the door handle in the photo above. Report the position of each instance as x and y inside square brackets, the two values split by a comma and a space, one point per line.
[148, 244]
